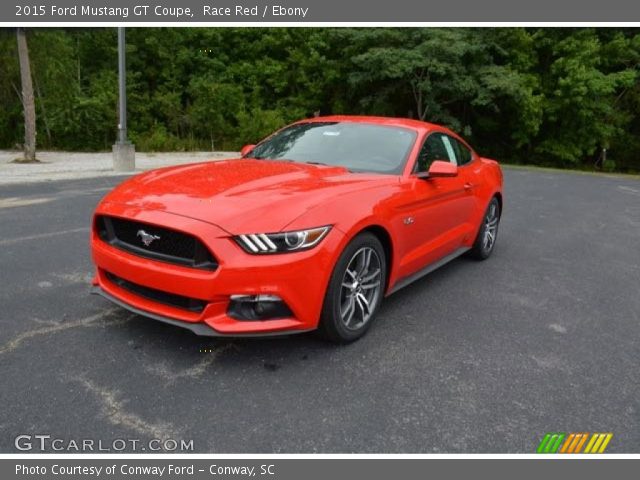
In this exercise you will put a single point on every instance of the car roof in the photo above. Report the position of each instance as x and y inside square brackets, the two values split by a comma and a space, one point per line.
[389, 121]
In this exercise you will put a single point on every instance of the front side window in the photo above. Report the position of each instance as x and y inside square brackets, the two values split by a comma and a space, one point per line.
[437, 146]
[462, 152]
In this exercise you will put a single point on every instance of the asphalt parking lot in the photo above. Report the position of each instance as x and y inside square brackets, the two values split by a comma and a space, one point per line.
[476, 357]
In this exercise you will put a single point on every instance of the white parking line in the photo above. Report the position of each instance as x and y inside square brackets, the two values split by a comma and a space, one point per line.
[630, 190]
[12, 241]
[22, 202]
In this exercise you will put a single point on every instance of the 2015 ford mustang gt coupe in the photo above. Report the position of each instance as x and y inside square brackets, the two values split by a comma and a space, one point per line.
[309, 229]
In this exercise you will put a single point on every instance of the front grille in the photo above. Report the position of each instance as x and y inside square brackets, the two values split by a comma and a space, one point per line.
[171, 299]
[166, 245]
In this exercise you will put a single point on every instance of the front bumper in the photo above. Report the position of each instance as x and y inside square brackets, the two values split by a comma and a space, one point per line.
[299, 279]
[199, 328]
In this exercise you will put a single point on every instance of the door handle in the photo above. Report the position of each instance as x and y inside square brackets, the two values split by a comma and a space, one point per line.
[468, 186]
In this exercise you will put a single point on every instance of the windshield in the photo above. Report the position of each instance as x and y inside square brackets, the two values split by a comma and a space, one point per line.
[360, 147]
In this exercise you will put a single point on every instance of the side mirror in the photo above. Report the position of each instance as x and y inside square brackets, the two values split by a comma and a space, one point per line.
[246, 149]
[440, 168]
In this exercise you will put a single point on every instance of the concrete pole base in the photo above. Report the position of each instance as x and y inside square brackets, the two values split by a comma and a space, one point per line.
[124, 157]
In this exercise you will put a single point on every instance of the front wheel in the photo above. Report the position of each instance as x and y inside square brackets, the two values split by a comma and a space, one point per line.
[488, 233]
[355, 290]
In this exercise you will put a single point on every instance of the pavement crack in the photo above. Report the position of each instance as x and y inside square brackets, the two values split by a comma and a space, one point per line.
[164, 370]
[112, 408]
[55, 328]
[82, 277]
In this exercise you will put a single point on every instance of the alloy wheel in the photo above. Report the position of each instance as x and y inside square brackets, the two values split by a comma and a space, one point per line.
[361, 288]
[490, 227]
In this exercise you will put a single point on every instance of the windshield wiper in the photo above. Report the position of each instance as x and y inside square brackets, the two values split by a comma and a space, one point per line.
[328, 165]
[319, 163]
[262, 157]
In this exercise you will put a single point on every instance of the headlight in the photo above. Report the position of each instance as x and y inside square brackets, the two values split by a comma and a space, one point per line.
[259, 243]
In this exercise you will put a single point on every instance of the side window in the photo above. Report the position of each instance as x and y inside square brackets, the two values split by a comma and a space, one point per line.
[462, 152]
[450, 145]
[437, 146]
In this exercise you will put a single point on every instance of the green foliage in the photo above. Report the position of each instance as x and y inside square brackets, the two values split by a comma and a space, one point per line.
[580, 107]
[257, 124]
[528, 95]
[609, 165]
[435, 66]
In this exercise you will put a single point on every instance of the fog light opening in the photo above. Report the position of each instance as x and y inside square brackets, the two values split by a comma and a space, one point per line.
[258, 307]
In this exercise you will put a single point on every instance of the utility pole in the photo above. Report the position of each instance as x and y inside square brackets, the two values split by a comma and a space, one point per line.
[124, 152]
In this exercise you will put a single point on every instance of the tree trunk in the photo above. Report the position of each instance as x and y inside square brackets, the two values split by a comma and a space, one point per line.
[28, 101]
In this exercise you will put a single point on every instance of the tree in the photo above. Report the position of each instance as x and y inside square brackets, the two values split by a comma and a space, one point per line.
[28, 100]
[583, 80]
[434, 66]
[550, 96]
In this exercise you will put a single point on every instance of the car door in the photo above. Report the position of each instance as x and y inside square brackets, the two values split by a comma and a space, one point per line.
[435, 211]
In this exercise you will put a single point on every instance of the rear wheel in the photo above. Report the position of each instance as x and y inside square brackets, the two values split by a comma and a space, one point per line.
[355, 290]
[488, 234]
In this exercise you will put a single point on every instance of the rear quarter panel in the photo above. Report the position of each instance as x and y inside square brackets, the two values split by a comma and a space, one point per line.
[490, 182]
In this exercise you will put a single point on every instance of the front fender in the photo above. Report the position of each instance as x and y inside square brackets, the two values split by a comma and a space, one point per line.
[352, 214]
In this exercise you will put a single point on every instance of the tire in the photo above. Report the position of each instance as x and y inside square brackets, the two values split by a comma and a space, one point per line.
[488, 234]
[355, 290]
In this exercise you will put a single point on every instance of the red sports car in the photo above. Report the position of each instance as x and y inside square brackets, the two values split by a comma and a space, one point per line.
[309, 229]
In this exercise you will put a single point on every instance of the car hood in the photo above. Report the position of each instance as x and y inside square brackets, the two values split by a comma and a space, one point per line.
[241, 195]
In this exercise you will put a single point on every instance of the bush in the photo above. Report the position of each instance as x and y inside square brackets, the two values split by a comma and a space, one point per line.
[157, 140]
[256, 124]
[609, 165]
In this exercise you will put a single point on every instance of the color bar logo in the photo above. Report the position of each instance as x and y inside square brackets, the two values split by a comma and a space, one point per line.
[574, 442]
